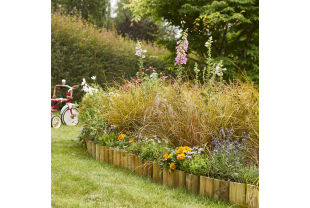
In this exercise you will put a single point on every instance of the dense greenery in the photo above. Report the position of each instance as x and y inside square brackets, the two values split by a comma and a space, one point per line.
[233, 24]
[97, 12]
[145, 29]
[80, 50]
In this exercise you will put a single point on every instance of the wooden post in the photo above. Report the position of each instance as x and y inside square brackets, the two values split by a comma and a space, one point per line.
[182, 179]
[121, 163]
[88, 146]
[209, 186]
[202, 188]
[171, 178]
[110, 155]
[93, 146]
[106, 154]
[221, 189]
[237, 193]
[101, 153]
[126, 160]
[114, 160]
[97, 152]
[131, 162]
[149, 169]
[165, 176]
[252, 196]
[157, 173]
[188, 182]
[144, 170]
[138, 165]
[195, 183]
[176, 178]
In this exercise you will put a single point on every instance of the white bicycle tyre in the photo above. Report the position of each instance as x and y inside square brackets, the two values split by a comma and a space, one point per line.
[66, 117]
[56, 121]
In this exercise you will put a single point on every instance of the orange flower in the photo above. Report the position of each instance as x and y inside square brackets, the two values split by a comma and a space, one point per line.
[173, 166]
[132, 141]
[120, 137]
[179, 151]
[166, 156]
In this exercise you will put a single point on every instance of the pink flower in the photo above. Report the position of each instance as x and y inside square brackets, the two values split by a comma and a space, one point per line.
[137, 47]
[157, 101]
[165, 77]
[150, 68]
[143, 56]
[144, 50]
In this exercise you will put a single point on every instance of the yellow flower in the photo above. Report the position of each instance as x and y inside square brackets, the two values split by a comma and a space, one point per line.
[181, 157]
[173, 166]
[187, 149]
[179, 151]
[120, 137]
[170, 155]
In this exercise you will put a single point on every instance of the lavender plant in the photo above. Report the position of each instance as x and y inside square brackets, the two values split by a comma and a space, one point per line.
[228, 156]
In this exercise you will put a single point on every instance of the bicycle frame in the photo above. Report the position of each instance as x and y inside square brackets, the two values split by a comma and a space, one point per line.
[60, 100]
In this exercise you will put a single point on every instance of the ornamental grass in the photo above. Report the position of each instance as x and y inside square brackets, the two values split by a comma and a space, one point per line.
[185, 114]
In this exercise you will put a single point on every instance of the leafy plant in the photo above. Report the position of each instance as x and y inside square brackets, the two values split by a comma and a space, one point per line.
[197, 166]
[108, 139]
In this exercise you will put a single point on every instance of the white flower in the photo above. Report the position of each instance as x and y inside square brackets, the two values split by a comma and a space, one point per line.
[207, 44]
[144, 50]
[93, 77]
[224, 69]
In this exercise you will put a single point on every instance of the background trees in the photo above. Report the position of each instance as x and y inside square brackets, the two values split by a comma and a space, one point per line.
[233, 25]
[97, 12]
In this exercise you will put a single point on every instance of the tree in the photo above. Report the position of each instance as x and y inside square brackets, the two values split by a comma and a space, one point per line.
[97, 12]
[144, 29]
[233, 25]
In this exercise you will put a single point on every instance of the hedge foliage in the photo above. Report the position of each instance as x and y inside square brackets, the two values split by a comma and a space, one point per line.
[80, 50]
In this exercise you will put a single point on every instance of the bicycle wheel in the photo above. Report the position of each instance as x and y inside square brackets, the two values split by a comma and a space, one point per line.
[56, 122]
[69, 119]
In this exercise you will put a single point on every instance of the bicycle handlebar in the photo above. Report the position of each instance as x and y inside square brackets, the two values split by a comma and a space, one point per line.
[70, 89]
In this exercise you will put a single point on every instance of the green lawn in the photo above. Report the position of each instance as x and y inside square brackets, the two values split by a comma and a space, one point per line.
[80, 181]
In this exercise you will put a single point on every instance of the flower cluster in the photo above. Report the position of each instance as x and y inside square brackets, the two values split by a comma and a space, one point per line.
[181, 49]
[87, 88]
[175, 158]
[139, 50]
[126, 86]
[147, 140]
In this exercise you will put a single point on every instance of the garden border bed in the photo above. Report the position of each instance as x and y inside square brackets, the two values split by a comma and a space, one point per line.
[237, 193]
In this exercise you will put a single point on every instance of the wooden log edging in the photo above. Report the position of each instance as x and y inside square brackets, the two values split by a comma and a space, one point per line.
[236, 193]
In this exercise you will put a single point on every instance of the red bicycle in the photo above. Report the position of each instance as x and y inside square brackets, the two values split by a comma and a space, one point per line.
[69, 113]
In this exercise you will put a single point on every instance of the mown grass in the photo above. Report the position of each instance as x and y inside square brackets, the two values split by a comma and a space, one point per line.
[80, 181]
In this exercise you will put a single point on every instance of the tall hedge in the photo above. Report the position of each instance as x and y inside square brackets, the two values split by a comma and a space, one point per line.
[80, 50]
